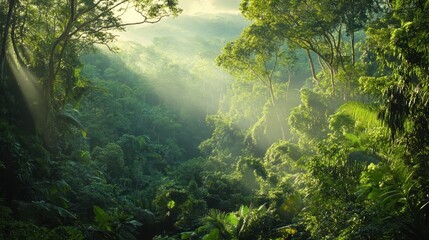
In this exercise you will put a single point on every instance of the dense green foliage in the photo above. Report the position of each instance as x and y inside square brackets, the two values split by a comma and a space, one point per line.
[319, 131]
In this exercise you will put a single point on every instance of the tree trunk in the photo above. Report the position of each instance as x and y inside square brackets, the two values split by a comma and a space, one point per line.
[322, 64]
[55, 58]
[332, 72]
[332, 65]
[339, 54]
[4, 37]
[277, 110]
[352, 41]
[313, 71]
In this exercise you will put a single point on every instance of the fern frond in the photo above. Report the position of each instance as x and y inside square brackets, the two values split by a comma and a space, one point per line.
[363, 114]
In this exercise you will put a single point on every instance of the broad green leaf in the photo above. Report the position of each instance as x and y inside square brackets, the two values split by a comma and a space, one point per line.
[102, 218]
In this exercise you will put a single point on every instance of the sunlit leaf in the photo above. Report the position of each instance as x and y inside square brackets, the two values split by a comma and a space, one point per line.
[171, 204]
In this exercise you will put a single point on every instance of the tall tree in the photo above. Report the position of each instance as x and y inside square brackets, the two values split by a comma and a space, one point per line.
[355, 15]
[64, 29]
[316, 26]
[258, 56]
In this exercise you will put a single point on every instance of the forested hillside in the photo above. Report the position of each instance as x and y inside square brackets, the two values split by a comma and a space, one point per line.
[293, 120]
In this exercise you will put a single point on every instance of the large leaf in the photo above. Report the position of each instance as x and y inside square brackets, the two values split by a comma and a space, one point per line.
[102, 219]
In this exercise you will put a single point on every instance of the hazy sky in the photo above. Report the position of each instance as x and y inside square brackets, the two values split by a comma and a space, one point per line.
[197, 7]
[193, 10]
[209, 6]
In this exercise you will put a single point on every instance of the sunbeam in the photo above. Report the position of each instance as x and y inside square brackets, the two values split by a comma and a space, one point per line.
[30, 89]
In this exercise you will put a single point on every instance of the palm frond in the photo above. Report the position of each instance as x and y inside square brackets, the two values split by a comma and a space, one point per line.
[400, 189]
[71, 120]
[217, 219]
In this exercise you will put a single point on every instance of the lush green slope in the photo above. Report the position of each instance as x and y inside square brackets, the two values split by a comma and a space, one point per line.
[307, 120]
